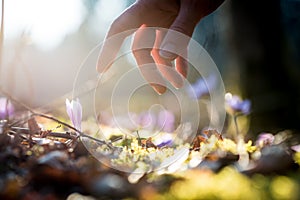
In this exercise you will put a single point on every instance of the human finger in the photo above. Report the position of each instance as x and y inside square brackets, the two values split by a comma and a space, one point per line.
[118, 31]
[142, 45]
[165, 66]
[181, 64]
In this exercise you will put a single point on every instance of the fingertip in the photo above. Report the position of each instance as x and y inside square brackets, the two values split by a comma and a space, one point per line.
[182, 66]
[159, 89]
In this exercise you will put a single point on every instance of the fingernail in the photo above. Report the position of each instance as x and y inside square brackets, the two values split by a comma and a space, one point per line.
[167, 51]
[159, 88]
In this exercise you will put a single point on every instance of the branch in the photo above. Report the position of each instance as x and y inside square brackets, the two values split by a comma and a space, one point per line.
[73, 128]
[34, 113]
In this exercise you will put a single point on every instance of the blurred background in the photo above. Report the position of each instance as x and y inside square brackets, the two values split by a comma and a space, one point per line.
[255, 44]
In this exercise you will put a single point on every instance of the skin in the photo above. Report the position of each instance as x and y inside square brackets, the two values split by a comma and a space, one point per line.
[177, 15]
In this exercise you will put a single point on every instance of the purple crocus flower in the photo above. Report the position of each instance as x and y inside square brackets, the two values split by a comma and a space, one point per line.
[264, 139]
[202, 86]
[6, 108]
[235, 104]
[74, 110]
[166, 121]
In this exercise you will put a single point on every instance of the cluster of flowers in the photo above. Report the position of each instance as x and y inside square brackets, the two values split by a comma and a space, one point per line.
[157, 150]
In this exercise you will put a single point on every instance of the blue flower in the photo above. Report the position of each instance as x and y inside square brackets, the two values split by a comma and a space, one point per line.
[6, 108]
[202, 86]
[165, 140]
[235, 105]
[167, 143]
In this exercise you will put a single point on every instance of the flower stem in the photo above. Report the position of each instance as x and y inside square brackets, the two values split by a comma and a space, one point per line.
[139, 138]
[237, 132]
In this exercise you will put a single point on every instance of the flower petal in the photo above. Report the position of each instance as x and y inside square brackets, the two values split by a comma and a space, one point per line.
[74, 110]
[77, 113]
[234, 104]
[6, 108]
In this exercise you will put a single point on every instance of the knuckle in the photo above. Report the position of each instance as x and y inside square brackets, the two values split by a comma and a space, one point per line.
[183, 26]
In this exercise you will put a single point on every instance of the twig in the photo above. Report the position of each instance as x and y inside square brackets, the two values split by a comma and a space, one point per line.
[60, 135]
[73, 128]
[33, 113]
[139, 138]
[56, 120]
[97, 140]
[25, 130]
[50, 133]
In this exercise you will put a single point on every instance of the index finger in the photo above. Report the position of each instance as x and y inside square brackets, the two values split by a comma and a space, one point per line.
[128, 20]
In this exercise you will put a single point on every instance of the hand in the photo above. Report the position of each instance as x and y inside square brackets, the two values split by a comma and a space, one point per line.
[180, 16]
